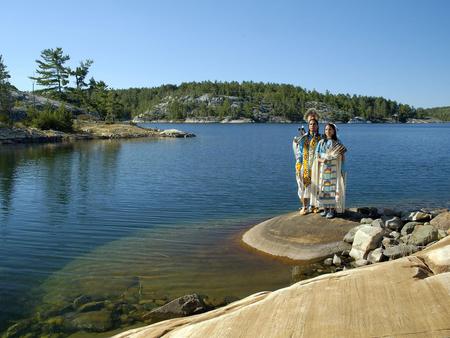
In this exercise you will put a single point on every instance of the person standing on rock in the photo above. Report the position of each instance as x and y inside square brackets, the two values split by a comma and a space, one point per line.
[304, 150]
[328, 174]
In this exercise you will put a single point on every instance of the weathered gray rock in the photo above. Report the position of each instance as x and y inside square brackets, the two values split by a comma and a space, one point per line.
[423, 234]
[345, 253]
[409, 228]
[393, 223]
[366, 239]
[416, 216]
[183, 306]
[337, 261]
[328, 261]
[400, 250]
[360, 262]
[378, 223]
[442, 234]
[388, 242]
[350, 236]
[376, 256]
[394, 235]
[94, 321]
[366, 220]
[441, 221]
[404, 239]
[175, 133]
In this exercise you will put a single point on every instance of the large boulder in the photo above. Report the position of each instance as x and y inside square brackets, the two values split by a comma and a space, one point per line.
[180, 307]
[392, 222]
[350, 235]
[441, 221]
[409, 228]
[366, 239]
[437, 258]
[379, 223]
[423, 234]
[401, 250]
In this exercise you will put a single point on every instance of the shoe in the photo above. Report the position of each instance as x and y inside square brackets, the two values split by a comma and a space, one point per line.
[303, 211]
[323, 213]
[310, 209]
[330, 215]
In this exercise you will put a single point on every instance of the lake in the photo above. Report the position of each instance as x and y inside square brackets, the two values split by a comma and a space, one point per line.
[100, 216]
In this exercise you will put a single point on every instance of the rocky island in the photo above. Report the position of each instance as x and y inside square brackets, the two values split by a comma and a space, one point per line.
[83, 131]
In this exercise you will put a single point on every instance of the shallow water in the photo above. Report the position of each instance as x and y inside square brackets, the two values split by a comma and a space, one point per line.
[97, 216]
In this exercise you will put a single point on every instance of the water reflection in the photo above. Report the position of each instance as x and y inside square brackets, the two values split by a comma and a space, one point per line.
[44, 196]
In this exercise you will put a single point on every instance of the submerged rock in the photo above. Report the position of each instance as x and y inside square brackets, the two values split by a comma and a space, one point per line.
[95, 321]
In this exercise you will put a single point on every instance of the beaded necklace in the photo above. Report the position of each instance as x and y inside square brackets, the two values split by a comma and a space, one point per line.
[309, 146]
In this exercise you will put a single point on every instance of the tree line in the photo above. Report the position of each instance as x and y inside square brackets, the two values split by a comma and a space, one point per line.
[284, 100]
[57, 80]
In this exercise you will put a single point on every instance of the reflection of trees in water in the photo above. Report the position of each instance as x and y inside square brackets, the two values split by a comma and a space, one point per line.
[65, 168]
[8, 160]
[59, 181]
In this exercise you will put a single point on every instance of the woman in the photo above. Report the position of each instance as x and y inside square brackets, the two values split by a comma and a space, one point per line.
[305, 153]
[330, 176]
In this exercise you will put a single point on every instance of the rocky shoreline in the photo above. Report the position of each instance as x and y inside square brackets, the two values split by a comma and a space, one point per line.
[390, 234]
[381, 235]
[83, 131]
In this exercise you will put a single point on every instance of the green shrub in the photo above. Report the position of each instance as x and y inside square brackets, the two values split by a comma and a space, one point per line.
[49, 118]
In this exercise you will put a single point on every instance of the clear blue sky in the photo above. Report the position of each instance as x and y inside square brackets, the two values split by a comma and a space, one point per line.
[399, 49]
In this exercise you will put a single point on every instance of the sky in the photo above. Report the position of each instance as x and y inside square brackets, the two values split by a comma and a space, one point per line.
[398, 49]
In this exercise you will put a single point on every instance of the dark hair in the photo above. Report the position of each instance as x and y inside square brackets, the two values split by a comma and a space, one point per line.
[334, 137]
[317, 122]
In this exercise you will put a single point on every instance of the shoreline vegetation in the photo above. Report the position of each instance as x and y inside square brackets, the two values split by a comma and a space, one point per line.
[379, 238]
[65, 91]
[83, 131]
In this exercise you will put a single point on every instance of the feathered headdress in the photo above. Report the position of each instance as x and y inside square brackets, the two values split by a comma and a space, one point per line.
[311, 113]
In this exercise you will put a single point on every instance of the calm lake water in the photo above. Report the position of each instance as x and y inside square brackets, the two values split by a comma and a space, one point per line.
[92, 217]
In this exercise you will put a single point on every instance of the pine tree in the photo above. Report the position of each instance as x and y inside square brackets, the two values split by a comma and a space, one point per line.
[81, 72]
[53, 75]
[6, 102]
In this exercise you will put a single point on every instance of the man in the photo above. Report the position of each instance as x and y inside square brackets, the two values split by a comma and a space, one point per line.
[304, 150]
